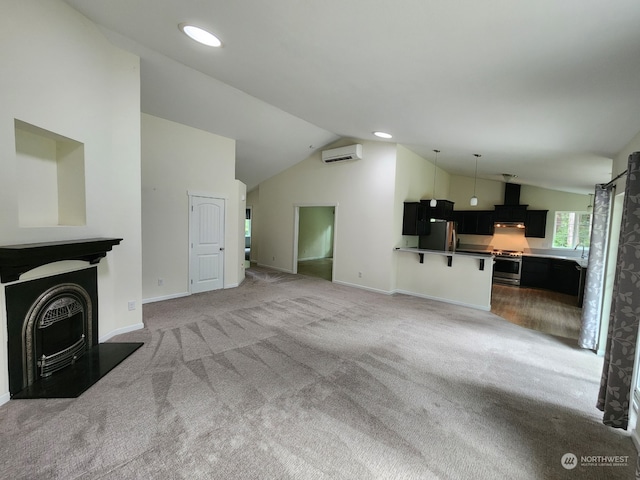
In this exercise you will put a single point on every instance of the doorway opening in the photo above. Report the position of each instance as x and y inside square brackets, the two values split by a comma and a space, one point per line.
[315, 241]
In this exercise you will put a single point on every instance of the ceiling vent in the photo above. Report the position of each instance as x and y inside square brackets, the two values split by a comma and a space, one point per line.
[342, 154]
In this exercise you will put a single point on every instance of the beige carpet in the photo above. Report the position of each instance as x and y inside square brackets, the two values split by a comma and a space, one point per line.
[292, 377]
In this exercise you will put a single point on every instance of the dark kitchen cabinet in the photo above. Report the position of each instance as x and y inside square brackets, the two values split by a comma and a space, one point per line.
[467, 221]
[510, 213]
[415, 220]
[485, 222]
[536, 272]
[565, 276]
[474, 222]
[535, 223]
[442, 211]
[551, 274]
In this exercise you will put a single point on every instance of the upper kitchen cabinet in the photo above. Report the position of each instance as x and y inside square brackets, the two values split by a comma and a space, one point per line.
[474, 222]
[485, 222]
[467, 221]
[535, 223]
[415, 220]
[510, 213]
[442, 211]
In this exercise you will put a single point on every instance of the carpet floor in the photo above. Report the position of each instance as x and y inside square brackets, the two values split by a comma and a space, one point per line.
[293, 377]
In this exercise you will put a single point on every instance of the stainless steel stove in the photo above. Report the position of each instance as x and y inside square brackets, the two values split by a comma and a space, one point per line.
[507, 267]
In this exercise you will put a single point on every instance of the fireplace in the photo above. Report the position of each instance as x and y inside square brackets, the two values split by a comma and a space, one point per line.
[52, 322]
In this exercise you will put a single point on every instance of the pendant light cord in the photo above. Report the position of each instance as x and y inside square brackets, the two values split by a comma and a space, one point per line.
[434, 202]
[475, 177]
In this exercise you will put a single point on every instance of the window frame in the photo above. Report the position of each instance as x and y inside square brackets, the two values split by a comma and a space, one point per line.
[575, 240]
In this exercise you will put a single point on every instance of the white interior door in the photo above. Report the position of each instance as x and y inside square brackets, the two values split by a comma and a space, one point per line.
[206, 234]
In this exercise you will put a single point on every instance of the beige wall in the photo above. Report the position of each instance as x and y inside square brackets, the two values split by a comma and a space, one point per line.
[176, 160]
[90, 94]
[363, 193]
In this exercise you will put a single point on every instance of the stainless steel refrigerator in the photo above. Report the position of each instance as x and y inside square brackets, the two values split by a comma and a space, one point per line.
[442, 237]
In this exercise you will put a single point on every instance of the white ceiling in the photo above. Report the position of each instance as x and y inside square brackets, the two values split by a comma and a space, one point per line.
[547, 90]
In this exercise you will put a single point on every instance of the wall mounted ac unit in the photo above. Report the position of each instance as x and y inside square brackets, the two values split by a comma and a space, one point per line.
[341, 154]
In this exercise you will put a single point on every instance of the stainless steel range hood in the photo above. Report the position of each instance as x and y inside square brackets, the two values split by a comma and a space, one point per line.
[509, 225]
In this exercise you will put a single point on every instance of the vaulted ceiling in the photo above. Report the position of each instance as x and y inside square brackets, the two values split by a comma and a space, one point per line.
[546, 90]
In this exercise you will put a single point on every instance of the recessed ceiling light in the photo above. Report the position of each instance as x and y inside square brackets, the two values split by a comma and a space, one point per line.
[200, 35]
[382, 134]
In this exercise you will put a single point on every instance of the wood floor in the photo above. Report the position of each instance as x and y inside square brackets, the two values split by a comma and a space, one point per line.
[549, 312]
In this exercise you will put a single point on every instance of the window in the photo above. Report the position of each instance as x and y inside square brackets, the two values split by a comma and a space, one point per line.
[572, 229]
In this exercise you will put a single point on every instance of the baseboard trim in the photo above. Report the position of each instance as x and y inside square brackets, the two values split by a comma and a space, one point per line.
[165, 297]
[120, 331]
[444, 300]
[362, 287]
[232, 285]
[275, 268]
[5, 398]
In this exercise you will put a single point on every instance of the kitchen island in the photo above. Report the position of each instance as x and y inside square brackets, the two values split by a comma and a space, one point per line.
[461, 278]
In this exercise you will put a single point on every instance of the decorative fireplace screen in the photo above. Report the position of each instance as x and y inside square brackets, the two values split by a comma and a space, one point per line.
[56, 330]
[52, 322]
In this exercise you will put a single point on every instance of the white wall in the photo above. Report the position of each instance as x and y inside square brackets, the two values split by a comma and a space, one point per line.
[177, 159]
[363, 192]
[66, 78]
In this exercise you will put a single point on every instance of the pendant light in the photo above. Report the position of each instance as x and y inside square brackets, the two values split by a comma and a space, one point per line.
[434, 202]
[474, 200]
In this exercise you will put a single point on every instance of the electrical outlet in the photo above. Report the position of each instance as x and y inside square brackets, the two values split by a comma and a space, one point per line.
[160, 282]
[132, 306]
[274, 259]
[359, 274]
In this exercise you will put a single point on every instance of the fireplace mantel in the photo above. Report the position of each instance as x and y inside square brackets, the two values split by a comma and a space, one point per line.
[18, 259]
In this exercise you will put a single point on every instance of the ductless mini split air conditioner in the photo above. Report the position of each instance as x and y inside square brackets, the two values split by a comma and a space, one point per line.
[342, 154]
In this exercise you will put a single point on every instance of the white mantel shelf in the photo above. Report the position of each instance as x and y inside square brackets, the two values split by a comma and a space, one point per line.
[422, 252]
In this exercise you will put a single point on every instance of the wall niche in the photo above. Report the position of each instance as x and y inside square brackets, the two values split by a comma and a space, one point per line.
[51, 179]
